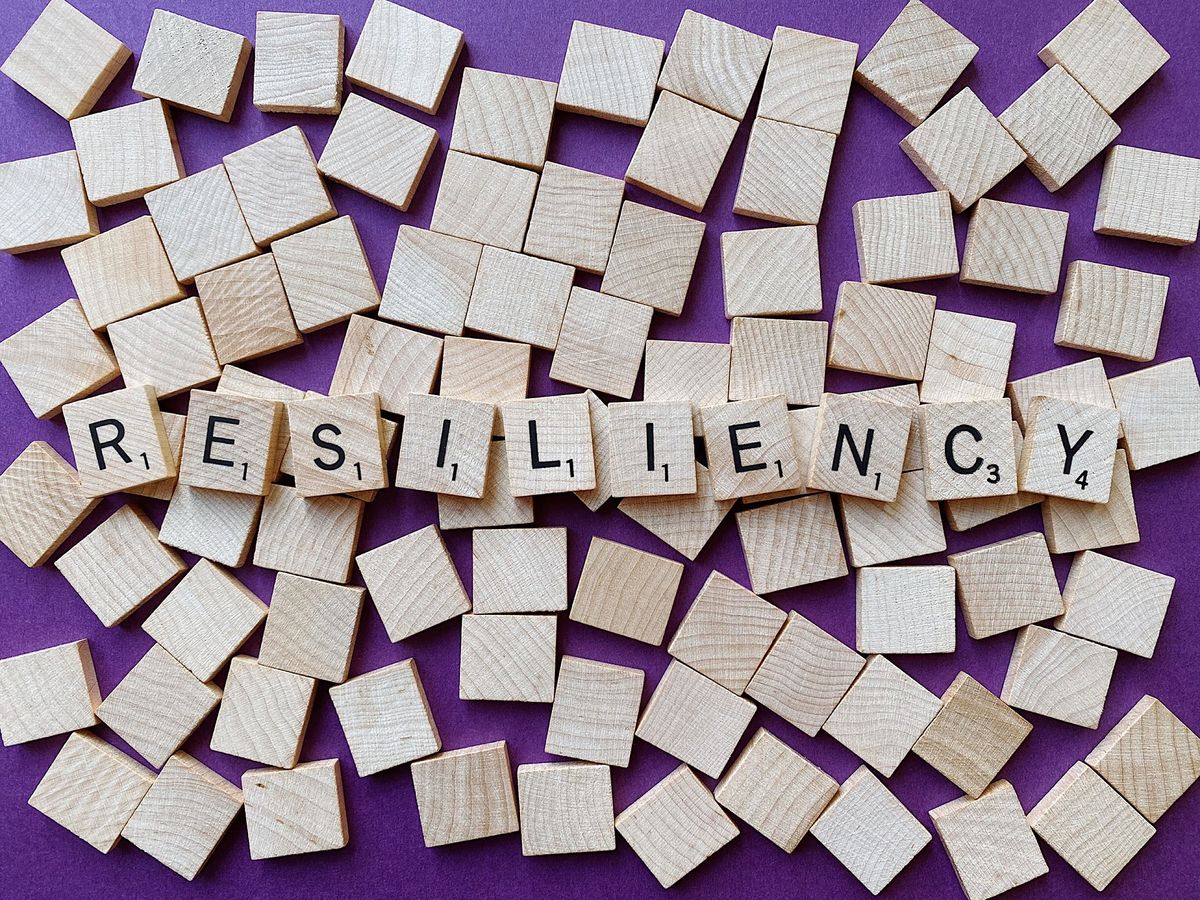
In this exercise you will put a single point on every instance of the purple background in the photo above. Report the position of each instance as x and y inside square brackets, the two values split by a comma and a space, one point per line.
[386, 853]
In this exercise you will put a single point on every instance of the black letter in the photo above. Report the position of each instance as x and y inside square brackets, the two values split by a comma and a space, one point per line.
[846, 436]
[534, 460]
[115, 443]
[210, 438]
[1069, 451]
[340, 454]
[649, 446]
[951, 461]
[444, 444]
[737, 447]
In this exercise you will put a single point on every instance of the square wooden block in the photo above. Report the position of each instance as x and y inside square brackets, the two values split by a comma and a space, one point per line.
[298, 62]
[653, 453]
[865, 314]
[126, 151]
[595, 497]
[325, 274]
[1059, 126]
[445, 445]
[595, 711]
[487, 371]
[43, 204]
[485, 201]
[192, 65]
[1108, 309]
[184, 815]
[751, 448]
[684, 523]
[464, 795]
[1015, 247]
[278, 186]
[216, 525]
[784, 174]
[386, 718]
[548, 441]
[626, 591]
[1082, 382]
[1005, 585]
[387, 360]
[1159, 409]
[519, 297]
[973, 735]
[337, 444]
[601, 343]
[47, 692]
[968, 357]
[879, 532]
[565, 808]
[915, 62]
[791, 543]
[681, 151]
[808, 79]
[311, 627]
[609, 73]
[311, 536]
[1149, 195]
[164, 490]
[169, 349]
[91, 789]
[506, 657]
[496, 508]
[777, 356]
[969, 449]
[263, 714]
[1116, 603]
[653, 255]
[1069, 449]
[907, 238]
[429, 280]
[675, 826]
[574, 216]
[905, 609]
[519, 570]
[1074, 525]
[66, 60]
[118, 440]
[503, 117]
[102, 271]
[859, 446]
[234, 443]
[120, 565]
[870, 831]
[1059, 676]
[771, 271]
[298, 810]
[714, 63]
[687, 370]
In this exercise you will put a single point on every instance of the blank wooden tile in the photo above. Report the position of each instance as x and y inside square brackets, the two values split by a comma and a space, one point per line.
[43, 204]
[234, 443]
[751, 449]
[1082, 382]
[870, 831]
[905, 609]
[325, 274]
[574, 216]
[1015, 247]
[1074, 525]
[969, 449]
[777, 356]
[653, 254]
[681, 151]
[298, 62]
[685, 523]
[989, 842]
[91, 789]
[311, 627]
[413, 582]
[1159, 408]
[216, 525]
[388, 360]
[507, 657]
[687, 370]
[1059, 676]
[170, 349]
[66, 60]
[445, 445]
[298, 810]
[609, 73]
[337, 444]
[488, 371]
[184, 815]
[973, 735]
[118, 440]
[264, 713]
[429, 280]
[675, 826]
[784, 174]
[626, 591]
[915, 61]
[311, 536]
[771, 271]
[404, 55]
[714, 63]
[548, 441]
[906, 238]
[503, 117]
[1113, 602]
[1059, 126]
[1005, 585]
[1107, 51]
[653, 453]
[791, 543]
[519, 297]
[1069, 449]
[126, 151]
[1149, 195]
[47, 692]
[859, 446]
[601, 343]
[484, 201]
[881, 532]
[808, 79]
[968, 357]
[565, 808]
[1150, 756]
[595, 711]
[865, 314]
[386, 718]
[1090, 825]
[101, 269]
[464, 795]
[602, 454]
[1108, 309]
[496, 508]
[519, 570]
[193, 65]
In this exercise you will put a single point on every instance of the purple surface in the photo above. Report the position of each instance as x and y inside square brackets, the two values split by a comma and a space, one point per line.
[386, 854]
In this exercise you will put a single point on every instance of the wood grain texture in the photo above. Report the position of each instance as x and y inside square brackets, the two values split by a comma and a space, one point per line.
[503, 117]
[429, 280]
[235, 443]
[565, 808]
[687, 370]
[445, 445]
[43, 203]
[905, 609]
[685, 523]
[609, 73]
[595, 711]
[486, 371]
[311, 627]
[859, 446]
[601, 342]
[464, 795]
[968, 357]
[311, 536]
[323, 426]
[777, 356]
[906, 238]
[1005, 585]
[1149, 195]
[216, 525]
[652, 258]
[1083, 382]
[164, 490]
[298, 62]
[118, 440]
[880, 532]
[47, 692]
[574, 216]
[602, 454]
[1074, 525]
[1015, 247]
[1069, 449]
[264, 713]
[507, 657]
[1159, 408]
[519, 297]
[519, 570]
[484, 201]
[1111, 310]
[562, 425]
[969, 449]
[771, 271]
[714, 63]
[653, 451]
[1059, 676]
[971, 512]
[278, 186]
[325, 274]
[785, 172]
[626, 591]
[791, 543]
[1114, 602]
[383, 359]
[193, 65]
[300, 810]
[808, 79]
[170, 349]
[496, 508]
[126, 151]
[865, 314]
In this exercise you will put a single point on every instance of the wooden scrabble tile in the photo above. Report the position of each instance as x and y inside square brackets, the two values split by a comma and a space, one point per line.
[1005, 585]
[325, 274]
[1150, 756]
[601, 343]
[881, 532]
[413, 582]
[1090, 825]
[1116, 603]
[969, 449]
[989, 842]
[1159, 408]
[777, 356]
[43, 204]
[1108, 309]
[119, 565]
[602, 454]
[102, 270]
[484, 201]
[687, 370]
[264, 713]
[519, 297]
[234, 443]
[966, 514]
[464, 795]
[804, 675]
[808, 79]
[445, 445]
[872, 433]
[784, 174]
[47, 692]
[714, 63]
[216, 525]
[1059, 126]
[685, 523]
[192, 65]
[653, 453]
[164, 490]
[726, 633]
[311, 536]
[169, 349]
[626, 591]
[915, 62]
[905, 609]
[866, 312]
[126, 151]
[519, 570]
[574, 216]
[118, 440]
[388, 360]
[771, 271]
[66, 60]
[1059, 676]
[595, 711]
[565, 808]
[548, 441]
[184, 815]
[404, 55]
[902, 395]
[1069, 449]
[1149, 195]
[609, 73]
[1082, 382]
[963, 149]
[870, 831]
[1074, 525]
[1107, 51]
[968, 358]
[337, 444]
[791, 543]
[906, 238]
[675, 826]
[298, 62]
[298, 810]
[973, 735]
[751, 449]
[386, 718]
[503, 117]
[652, 258]
[429, 280]
[91, 789]
[507, 657]
[311, 627]
[1015, 247]
[496, 508]
[278, 186]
